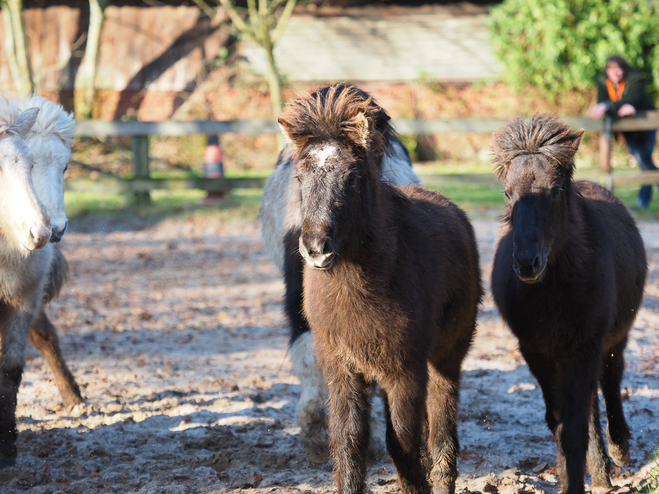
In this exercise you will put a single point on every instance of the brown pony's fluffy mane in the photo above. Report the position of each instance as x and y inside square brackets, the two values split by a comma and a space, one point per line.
[340, 112]
[542, 134]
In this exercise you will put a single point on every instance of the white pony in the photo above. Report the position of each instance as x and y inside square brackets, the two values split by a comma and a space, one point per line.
[281, 222]
[51, 140]
[25, 259]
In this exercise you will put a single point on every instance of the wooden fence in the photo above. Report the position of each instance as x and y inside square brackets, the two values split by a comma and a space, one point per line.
[142, 183]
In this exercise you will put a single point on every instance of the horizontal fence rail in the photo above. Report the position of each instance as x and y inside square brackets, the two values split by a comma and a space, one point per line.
[142, 183]
[90, 128]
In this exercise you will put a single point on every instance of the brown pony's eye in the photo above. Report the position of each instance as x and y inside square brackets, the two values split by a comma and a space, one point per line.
[297, 177]
[505, 193]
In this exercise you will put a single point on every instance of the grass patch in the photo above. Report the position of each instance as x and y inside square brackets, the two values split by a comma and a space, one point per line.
[650, 484]
[240, 204]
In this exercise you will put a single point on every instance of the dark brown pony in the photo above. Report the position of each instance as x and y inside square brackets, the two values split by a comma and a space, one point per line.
[391, 291]
[568, 277]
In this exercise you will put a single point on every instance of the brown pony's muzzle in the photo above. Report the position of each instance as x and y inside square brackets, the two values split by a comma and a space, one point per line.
[317, 250]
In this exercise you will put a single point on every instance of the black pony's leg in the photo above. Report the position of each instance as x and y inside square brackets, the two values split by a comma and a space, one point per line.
[313, 392]
[576, 386]
[598, 463]
[14, 339]
[405, 415]
[543, 368]
[349, 410]
[617, 430]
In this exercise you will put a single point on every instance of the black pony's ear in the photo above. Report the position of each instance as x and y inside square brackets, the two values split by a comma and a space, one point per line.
[575, 139]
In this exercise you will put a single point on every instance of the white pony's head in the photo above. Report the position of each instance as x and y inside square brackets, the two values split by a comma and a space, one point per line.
[23, 219]
[50, 140]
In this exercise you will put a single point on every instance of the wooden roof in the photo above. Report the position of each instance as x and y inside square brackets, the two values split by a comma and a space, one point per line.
[437, 44]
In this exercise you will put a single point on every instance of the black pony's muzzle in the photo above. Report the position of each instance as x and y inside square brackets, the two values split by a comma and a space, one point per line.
[529, 265]
[317, 250]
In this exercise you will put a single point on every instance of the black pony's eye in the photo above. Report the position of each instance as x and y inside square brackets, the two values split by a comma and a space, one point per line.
[556, 192]
[355, 182]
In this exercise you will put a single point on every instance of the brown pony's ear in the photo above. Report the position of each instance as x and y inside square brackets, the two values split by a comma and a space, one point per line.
[358, 129]
[296, 141]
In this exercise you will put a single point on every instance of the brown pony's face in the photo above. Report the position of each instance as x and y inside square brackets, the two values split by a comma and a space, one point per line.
[537, 196]
[332, 179]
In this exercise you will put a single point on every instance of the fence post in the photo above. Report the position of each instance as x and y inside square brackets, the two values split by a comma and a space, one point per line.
[606, 155]
[140, 145]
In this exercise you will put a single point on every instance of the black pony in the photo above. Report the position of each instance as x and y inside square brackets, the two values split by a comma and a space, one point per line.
[568, 277]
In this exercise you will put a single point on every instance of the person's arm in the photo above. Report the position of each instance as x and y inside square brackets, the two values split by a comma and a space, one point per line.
[603, 102]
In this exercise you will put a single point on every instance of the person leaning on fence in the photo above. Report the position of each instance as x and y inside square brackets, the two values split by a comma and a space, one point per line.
[621, 93]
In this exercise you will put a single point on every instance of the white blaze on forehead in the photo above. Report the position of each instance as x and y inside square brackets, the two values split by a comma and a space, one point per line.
[320, 155]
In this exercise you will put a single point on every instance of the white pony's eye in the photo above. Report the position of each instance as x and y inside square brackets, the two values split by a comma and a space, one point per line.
[66, 167]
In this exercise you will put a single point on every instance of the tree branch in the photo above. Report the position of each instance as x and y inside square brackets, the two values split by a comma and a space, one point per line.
[205, 8]
[236, 18]
[283, 20]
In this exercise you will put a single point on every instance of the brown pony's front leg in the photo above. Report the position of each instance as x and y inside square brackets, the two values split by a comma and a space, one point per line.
[443, 391]
[43, 336]
[13, 336]
[405, 406]
[349, 410]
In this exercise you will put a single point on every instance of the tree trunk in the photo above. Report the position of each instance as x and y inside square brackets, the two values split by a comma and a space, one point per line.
[274, 81]
[16, 46]
[86, 77]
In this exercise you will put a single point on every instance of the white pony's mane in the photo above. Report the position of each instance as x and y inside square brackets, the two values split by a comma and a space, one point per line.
[9, 112]
[51, 120]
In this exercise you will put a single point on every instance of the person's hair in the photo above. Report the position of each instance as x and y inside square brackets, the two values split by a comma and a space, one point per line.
[620, 62]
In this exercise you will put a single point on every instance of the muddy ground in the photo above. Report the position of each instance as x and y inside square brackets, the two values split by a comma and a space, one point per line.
[176, 336]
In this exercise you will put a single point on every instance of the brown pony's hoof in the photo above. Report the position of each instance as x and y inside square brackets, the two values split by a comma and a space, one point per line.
[7, 463]
[443, 489]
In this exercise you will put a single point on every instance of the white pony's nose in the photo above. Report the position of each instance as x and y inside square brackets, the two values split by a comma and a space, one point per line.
[58, 232]
[39, 237]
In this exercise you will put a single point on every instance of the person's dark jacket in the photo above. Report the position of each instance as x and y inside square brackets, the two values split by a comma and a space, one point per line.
[634, 94]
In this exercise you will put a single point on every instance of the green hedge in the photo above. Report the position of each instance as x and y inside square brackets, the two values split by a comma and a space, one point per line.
[563, 44]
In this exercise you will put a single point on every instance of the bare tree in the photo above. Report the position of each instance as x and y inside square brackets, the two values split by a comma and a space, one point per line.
[85, 82]
[264, 24]
[16, 46]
